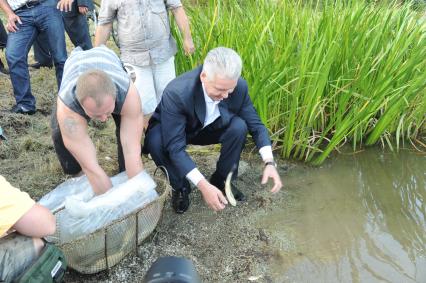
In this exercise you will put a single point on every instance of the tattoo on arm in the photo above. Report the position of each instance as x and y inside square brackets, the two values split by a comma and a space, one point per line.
[70, 125]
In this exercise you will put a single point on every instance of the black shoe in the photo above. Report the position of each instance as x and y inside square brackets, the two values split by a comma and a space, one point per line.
[22, 110]
[180, 200]
[38, 65]
[219, 183]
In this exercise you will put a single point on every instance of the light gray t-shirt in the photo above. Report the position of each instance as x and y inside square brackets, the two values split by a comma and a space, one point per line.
[100, 58]
[143, 29]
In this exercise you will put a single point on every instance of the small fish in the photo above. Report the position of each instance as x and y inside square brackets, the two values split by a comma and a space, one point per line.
[228, 190]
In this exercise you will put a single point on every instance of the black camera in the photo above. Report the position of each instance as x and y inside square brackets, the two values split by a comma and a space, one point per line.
[172, 269]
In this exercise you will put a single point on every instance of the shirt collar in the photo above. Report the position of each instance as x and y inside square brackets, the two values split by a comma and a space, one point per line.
[207, 98]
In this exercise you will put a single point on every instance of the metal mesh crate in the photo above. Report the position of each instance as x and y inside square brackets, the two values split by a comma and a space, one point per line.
[106, 246]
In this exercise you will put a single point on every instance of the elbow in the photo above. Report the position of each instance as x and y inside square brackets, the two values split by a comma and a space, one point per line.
[51, 225]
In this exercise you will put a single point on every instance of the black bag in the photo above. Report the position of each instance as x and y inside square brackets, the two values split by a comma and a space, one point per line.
[49, 267]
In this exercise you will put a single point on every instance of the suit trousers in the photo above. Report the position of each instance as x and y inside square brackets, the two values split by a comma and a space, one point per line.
[68, 163]
[232, 138]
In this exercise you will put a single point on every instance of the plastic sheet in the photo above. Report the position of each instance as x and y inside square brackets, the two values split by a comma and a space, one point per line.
[84, 213]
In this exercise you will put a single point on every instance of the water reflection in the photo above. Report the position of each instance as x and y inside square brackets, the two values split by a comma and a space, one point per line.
[361, 218]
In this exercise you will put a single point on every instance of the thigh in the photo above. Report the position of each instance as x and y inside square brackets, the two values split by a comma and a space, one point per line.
[41, 50]
[210, 134]
[144, 83]
[78, 31]
[19, 42]
[163, 74]
[17, 252]
[50, 23]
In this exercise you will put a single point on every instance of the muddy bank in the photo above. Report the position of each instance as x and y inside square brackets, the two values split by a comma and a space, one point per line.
[225, 246]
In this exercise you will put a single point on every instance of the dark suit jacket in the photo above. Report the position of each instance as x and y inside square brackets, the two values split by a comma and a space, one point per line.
[182, 111]
[78, 3]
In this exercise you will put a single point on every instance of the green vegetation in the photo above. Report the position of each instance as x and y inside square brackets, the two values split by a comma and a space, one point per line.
[323, 75]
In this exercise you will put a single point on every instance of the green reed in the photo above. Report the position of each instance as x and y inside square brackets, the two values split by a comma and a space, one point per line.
[322, 75]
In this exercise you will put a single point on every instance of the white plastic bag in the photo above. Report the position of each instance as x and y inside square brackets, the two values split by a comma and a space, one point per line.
[81, 217]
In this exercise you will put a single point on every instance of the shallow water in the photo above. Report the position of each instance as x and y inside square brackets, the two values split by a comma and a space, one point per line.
[359, 218]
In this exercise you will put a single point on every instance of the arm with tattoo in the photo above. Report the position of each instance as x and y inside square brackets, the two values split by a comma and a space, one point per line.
[77, 141]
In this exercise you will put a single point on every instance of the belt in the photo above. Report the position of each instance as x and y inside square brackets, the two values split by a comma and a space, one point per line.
[29, 5]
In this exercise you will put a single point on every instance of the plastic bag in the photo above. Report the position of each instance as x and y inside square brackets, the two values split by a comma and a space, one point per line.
[78, 187]
[81, 217]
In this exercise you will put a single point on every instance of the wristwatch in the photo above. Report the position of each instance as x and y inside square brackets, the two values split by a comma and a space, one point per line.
[273, 163]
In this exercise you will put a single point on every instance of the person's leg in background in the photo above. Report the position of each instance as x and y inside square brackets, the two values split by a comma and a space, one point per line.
[144, 82]
[42, 54]
[50, 23]
[78, 31]
[3, 42]
[120, 155]
[18, 46]
[163, 73]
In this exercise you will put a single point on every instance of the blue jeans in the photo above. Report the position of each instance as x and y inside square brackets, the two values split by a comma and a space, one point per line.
[41, 19]
[77, 30]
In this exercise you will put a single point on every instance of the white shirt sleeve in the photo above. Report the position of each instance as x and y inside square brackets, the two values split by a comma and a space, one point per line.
[266, 152]
[194, 176]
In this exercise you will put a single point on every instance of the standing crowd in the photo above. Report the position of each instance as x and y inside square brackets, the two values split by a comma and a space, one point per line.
[139, 90]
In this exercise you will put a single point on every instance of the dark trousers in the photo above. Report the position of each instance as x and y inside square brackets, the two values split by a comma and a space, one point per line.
[69, 164]
[232, 138]
[3, 36]
[77, 30]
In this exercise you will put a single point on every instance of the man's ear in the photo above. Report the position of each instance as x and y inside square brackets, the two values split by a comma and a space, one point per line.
[203, 77]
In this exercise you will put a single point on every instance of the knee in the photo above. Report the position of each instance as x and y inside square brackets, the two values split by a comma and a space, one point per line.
[238, 127]
[153, 142]
[14, 55]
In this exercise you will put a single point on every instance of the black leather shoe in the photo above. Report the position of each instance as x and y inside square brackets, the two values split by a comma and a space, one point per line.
[180, 200]
[38, 65]
[219, 183]
[17, 109]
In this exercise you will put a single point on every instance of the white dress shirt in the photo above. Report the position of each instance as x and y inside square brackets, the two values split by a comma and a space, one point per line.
[212, 113]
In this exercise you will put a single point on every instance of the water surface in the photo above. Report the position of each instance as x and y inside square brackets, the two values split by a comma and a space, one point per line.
[359, 218]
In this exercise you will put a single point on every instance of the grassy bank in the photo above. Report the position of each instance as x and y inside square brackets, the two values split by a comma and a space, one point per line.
[323, 75]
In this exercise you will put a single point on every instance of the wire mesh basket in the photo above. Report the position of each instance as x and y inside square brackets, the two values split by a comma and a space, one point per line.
[106, 246]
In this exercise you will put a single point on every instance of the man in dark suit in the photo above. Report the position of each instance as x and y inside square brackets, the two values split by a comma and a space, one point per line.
[208, 105]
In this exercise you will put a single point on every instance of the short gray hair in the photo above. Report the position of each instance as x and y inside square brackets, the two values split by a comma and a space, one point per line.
[223, 61]
[95, 84]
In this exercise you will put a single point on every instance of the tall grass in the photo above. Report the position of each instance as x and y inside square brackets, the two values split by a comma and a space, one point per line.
[323, 75]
